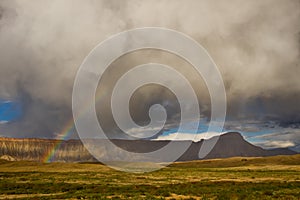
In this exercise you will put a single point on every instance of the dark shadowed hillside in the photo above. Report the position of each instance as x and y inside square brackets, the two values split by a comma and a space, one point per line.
[229, 145]
[233, 144]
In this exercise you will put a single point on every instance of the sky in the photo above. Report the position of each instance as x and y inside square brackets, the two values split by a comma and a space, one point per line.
[255, 45]
[9, 111]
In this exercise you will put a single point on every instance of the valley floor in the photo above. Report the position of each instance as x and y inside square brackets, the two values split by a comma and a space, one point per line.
[234, 178]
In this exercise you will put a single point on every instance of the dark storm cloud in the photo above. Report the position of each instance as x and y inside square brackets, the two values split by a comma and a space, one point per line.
[255, 45]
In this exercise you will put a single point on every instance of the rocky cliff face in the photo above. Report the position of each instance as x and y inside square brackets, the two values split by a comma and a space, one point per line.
[44, 150]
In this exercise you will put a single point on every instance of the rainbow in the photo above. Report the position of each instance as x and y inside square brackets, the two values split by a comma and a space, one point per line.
[66, 132]
[64, 135]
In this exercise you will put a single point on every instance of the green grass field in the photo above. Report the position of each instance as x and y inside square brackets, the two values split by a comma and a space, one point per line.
[235, 178]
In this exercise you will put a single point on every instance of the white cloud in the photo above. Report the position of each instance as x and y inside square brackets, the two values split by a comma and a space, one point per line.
[279, 137]
[275, 144]
[188, 136]
[4, 122]
[143, 132]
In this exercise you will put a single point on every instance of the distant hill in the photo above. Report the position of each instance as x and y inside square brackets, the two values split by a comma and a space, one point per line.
[230, 144]
[295, 148]
[233, 144]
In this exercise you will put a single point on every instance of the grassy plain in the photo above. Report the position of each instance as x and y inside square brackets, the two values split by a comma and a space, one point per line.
[234, 178]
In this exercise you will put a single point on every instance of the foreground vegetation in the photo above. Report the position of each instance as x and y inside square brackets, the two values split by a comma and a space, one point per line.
[235, 178]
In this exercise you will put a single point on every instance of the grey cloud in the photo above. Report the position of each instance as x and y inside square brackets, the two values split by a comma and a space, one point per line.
[284, 134]
[286, 137]
[255, 44]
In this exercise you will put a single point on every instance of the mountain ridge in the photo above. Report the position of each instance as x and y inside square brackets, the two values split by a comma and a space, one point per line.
[230, 144]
